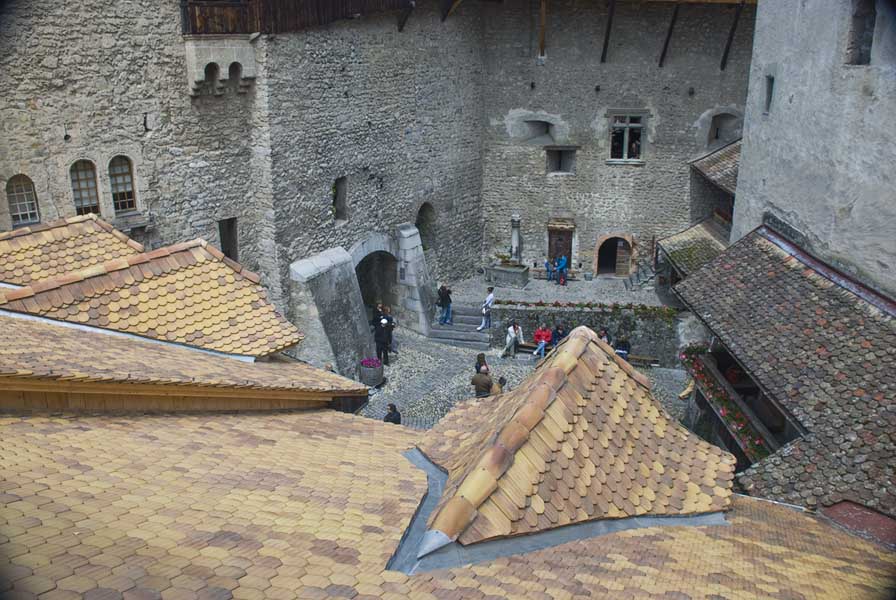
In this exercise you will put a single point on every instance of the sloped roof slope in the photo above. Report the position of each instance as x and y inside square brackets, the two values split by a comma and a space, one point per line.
[721, 166]
[581, 439]
[824, 350]
[189, 293]
[37, 350]
[694, 247]
[39, 252]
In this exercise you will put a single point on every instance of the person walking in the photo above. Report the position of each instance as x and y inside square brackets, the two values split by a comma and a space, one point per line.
[482, 383]
[382, 335]
[543, 337]
[514, 337]
[445, 305]
[393, 416]
[487, 310]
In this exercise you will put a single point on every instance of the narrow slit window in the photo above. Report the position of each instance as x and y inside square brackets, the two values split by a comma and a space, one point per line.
[84, 189]
[121, 176]
[227, 232]
[23, 209]
[861, 32]
[769, 92]
[340, 201]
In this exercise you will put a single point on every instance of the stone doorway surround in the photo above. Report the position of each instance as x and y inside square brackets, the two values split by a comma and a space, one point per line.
[327, 306]
[629, 239]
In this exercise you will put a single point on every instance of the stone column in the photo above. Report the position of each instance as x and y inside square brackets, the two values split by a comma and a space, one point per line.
[515, 240]
[415, 284]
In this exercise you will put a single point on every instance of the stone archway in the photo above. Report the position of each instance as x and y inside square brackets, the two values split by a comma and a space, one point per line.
[377, 275]
[614, 255]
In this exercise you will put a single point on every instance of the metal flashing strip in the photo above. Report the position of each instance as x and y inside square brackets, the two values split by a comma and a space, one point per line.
[454, 554]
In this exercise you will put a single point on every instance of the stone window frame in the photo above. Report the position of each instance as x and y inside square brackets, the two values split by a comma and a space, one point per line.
[123, 186]
[81, 185]
[560, 160]
[20, 191]
[641, 113]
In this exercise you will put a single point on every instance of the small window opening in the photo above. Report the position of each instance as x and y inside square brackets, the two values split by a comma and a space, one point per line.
[121, 177]
[227, 232]
[426, 225]
[626, 136]
[769, 92]
[340, 201]
[724, 128]
[212, 78]
[540, 132]
[234, 75]
[561, 160]
[84, 190]
[861, 32]
[20, 194]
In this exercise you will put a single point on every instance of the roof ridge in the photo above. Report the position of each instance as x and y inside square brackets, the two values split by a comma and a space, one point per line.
[709, 153]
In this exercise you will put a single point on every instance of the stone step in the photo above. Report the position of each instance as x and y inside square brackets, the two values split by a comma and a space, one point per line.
[461, 328]
[473, 320]
[464, 344]
[466, 310]
[452, 334]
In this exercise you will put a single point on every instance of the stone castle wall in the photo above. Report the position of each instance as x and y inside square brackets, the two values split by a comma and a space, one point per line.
[643, 200]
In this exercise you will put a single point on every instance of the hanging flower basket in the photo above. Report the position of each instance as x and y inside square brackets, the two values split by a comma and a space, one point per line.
[371, 372]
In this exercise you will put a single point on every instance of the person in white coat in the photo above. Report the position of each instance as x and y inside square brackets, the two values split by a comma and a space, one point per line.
[487, 310]
[514, 337]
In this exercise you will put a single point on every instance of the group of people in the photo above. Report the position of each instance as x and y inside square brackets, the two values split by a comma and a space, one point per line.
[543, 336]
[482, 382]
[557, 269]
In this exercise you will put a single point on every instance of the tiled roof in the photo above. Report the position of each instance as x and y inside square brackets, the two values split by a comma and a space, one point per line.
[694, 247]
[823, 353]
[312, 505]
[189, 293]
[721, 166]
[36, 350]
[32, 254]
[581, 439]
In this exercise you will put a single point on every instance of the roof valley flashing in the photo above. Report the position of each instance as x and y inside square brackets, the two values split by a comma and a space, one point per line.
[580, 442]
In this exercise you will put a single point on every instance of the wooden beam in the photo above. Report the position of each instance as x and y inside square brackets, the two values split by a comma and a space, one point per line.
[403, 17]
[542, 31]
[737, 12]
[611, 9]
[448, 6]
[669, 33]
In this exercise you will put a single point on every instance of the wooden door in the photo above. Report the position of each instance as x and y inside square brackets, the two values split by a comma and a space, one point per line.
[559, 244]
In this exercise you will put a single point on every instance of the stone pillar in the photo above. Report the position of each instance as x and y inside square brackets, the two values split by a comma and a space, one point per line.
[416, 288]
[326, 305]
[515, 240]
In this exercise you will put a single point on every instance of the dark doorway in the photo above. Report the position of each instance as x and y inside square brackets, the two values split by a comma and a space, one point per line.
[614, 257]
[377, 277]
[228, 235]
[426, 225]
[559, 243]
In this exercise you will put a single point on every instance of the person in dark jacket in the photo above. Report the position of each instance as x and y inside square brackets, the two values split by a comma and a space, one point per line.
[623, 348]
[482, 383]
[480, 362]
[558, 335]
[382, 335]
[445, 305]
[393, 416]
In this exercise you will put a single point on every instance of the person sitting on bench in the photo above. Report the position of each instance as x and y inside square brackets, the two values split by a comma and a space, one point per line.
[514, 337]
[543, 337]
[623, 348]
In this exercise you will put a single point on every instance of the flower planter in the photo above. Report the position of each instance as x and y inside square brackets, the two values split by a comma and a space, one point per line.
[371, 376]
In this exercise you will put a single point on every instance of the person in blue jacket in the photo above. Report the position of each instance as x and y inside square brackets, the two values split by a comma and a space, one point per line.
[562, 268]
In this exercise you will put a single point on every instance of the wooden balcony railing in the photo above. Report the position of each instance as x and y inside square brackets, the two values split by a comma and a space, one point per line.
[209, 17]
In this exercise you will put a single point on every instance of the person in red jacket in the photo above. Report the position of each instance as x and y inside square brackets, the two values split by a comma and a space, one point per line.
[542, 338]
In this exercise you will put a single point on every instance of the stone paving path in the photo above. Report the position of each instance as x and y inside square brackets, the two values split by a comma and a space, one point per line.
[426, 378]
[603, 289]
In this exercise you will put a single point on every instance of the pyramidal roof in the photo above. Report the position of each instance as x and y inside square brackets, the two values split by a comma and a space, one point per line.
[581, 439]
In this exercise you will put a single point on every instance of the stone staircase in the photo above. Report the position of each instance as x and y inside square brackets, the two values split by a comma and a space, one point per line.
[463, 332]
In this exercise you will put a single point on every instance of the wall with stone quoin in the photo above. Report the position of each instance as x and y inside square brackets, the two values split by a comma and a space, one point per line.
[651, 331]
[646, 200]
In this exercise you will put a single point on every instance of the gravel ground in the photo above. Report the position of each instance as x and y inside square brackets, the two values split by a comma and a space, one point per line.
[426, 378]
[603, 289]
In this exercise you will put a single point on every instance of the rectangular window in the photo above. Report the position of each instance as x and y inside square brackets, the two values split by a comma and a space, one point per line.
[228, 235]
[340, 201]
[627, 137]
[122, 179]
[84, 190]
[769, 92]
[861, 32]
[560, 160]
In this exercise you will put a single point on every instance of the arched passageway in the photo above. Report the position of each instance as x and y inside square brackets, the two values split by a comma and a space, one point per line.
[378, 279]
[614, 257]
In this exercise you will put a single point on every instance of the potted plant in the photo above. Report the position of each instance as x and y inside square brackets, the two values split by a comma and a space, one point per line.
[371, 372]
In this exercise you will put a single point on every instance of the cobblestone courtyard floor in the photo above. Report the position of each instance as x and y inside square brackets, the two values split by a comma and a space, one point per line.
[426, 378]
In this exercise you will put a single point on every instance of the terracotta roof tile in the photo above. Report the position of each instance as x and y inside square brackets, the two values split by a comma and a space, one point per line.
[32, 254]
[721, 166]
[186, 293]
[822, 353]
[581, 439]
[36, 349]
[694, 247]
[312, 505]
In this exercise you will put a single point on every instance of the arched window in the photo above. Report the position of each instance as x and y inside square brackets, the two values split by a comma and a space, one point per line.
[87, 199]
[22, 201]
[121, 177]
